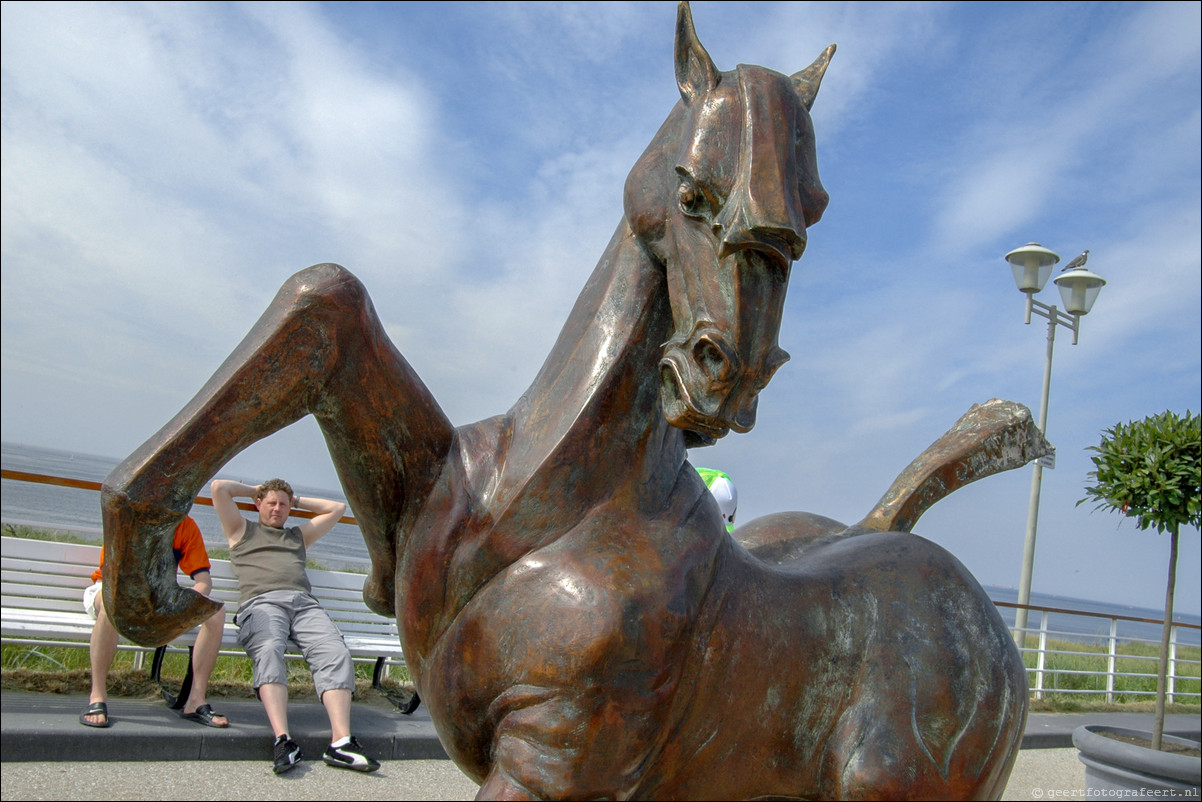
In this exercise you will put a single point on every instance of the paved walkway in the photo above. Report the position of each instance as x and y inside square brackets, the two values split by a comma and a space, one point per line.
[47, 754]
[1038, 774]
[225, 780]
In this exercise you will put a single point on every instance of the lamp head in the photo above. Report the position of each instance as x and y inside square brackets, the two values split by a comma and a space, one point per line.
[1079, 289]
[1032, 265]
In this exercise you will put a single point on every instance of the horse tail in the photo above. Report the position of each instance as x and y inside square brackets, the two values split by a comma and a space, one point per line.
[990, 438]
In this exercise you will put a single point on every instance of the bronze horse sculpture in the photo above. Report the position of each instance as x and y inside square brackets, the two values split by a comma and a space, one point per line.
[574, 614]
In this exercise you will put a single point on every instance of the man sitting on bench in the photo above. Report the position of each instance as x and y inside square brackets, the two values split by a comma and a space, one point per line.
[276, 604]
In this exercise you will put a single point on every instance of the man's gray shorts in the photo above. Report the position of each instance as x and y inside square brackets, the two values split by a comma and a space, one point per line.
[268, 621]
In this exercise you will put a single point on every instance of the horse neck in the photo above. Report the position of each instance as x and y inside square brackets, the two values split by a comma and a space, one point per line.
[595, 401]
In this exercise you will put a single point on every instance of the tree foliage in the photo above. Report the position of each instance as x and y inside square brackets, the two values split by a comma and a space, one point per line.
[1150, 470]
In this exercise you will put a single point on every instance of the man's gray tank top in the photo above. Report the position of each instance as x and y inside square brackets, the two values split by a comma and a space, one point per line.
[267, 558]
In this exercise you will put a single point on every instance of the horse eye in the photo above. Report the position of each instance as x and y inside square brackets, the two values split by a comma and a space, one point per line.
[690, 199]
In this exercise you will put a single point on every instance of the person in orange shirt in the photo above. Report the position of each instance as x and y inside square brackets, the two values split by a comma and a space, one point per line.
[193, 560]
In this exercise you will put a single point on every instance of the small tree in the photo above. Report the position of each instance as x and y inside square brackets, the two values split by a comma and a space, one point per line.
[1151, 470]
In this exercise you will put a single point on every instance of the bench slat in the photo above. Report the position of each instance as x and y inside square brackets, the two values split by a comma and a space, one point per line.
[22, 605]
[26, 565]
[73, 553]
[77, 583]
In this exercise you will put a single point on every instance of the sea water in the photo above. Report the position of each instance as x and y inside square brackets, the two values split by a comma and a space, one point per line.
[75, 510]
[49, 506]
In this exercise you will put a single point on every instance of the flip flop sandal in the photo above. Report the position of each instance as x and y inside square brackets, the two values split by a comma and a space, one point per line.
[96, 709]
[204, 715]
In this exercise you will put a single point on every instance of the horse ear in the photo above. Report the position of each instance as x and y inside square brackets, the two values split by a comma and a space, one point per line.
[696, 74]
[807, 81]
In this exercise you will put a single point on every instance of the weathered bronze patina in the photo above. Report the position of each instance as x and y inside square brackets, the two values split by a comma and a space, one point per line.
[574, 614]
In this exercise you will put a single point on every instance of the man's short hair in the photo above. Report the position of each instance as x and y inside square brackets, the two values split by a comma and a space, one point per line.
[274, 484]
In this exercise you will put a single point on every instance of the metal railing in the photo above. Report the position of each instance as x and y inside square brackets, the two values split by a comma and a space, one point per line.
[1050, 646]
[84, 484]
[1064, 659]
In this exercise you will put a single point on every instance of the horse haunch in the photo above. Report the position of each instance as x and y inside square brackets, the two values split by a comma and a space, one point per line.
[879, 667]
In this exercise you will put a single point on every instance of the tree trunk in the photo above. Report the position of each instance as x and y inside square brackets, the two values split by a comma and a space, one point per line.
[1162, 672]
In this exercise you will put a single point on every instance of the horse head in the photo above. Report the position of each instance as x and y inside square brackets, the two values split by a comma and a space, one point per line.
[722, 199]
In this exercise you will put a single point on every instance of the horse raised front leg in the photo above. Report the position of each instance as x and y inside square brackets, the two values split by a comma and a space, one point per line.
[320, 349]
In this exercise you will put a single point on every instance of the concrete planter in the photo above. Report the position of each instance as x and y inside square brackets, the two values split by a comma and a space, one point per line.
[1115, 768]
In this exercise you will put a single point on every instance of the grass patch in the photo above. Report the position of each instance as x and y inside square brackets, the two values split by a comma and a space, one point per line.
[234, 669]
[66, 670]
[137, 684]
[1063, 703]
[1075, 672]
[55, 535]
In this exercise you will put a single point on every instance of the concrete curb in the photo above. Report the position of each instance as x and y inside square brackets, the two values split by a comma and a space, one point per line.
[45, 727]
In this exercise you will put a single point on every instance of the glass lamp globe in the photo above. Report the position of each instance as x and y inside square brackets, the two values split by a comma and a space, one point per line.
[1032, 264]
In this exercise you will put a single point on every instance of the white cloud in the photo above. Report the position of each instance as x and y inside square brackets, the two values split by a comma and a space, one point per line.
[167, 166]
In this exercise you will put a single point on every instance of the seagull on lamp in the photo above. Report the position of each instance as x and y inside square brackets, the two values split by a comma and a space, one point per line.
[1078, 262]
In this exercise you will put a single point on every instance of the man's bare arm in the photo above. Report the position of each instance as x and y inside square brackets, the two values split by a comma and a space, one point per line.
[224, 491]
[202, 583]
[328, 513]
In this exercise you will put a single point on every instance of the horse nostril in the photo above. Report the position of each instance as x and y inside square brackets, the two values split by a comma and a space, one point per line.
[745, 417]
[712, 358]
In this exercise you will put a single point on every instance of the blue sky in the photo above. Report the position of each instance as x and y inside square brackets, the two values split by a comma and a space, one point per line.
[167, 166]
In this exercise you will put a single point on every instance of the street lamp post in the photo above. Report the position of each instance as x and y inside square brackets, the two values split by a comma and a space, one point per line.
[1032, 264]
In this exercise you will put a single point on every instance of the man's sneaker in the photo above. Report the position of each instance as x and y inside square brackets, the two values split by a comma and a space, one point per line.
[287, 754]
[350, 756]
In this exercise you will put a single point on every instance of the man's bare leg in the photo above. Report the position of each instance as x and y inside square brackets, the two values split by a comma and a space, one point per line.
[338, 708]
[102, 649]
[274, 696]
[204, 657]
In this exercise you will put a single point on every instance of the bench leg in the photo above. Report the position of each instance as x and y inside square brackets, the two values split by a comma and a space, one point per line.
[378, 672]
[407, 707]
[174, 702]
[412, 704]
[156, 664]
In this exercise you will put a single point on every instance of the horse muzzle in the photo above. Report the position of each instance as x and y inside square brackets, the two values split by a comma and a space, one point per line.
[703, 387]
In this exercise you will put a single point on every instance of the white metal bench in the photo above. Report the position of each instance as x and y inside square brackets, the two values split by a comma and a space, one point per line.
[42, 591]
